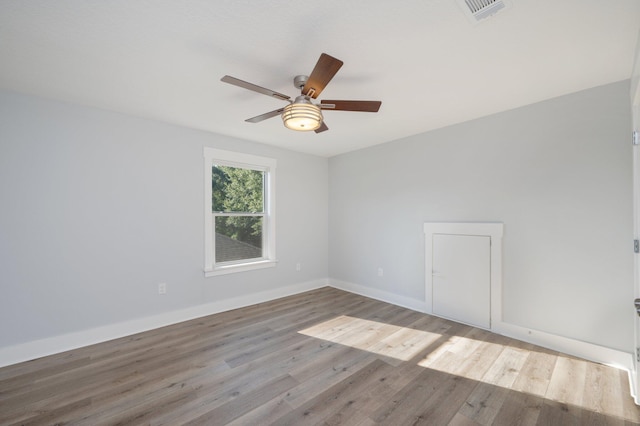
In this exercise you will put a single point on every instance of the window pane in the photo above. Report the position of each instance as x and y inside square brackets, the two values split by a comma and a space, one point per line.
[237, 190]
[238, 237]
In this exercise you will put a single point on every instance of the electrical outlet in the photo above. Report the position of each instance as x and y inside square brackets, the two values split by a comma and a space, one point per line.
[162, 288]
[298, 266]
[380, 272]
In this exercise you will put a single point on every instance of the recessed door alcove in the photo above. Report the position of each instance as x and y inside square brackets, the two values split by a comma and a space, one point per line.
[463, 272]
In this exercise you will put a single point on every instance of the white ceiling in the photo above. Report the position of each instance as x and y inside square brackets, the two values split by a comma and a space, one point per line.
[424, 59]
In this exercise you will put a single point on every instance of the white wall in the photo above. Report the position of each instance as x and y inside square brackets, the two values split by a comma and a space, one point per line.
[557, 173]
[97, 208]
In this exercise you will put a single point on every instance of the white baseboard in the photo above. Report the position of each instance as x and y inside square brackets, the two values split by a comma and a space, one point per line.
[52, 345]
[39, 348]
[384, 296]
[632, 386]
[589, 351]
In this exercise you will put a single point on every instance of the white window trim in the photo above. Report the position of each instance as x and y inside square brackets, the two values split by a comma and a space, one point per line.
[236, 159]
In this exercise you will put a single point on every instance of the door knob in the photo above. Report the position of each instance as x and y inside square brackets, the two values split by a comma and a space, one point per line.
[637, 305]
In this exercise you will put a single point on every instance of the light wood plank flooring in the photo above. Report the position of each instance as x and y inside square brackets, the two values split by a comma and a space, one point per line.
[324, 357]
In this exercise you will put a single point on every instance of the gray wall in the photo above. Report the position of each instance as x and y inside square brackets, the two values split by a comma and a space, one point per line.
[98, 208]
[557, 173]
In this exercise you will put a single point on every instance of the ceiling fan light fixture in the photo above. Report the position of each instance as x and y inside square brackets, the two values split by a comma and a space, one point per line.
[302, 116]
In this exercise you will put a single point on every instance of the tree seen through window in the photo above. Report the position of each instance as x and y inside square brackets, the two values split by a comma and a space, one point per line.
[238, 207]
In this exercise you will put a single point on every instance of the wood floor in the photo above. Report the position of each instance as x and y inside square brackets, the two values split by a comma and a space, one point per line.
[323, 357]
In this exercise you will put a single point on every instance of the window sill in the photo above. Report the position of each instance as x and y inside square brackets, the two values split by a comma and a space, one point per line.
[232, 269]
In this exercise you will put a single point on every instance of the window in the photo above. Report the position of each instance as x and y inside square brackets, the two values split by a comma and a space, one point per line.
[239, 212]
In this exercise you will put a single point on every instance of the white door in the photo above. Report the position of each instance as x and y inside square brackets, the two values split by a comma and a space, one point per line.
[462, 278]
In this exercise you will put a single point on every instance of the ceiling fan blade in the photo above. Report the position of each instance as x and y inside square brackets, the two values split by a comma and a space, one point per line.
[326, 67]
[264, 116]
[362, 106]
[255, 88]
[322, 128]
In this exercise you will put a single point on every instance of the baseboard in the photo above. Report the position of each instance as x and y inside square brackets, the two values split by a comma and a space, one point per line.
[39, 348]
[632, 386]
[384, 296]
[589, 351]
[52, 345]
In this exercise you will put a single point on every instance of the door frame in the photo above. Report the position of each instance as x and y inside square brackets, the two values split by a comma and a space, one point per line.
[635, 118]
[494, 230]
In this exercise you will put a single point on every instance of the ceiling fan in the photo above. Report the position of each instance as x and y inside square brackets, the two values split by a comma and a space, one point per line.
[302, 114]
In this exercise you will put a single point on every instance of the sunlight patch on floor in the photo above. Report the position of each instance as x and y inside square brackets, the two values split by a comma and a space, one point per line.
[542, 373]
[473, 359]
[388, 340]
[538, 373]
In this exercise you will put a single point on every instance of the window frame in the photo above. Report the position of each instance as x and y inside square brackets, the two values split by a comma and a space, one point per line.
[213, 157]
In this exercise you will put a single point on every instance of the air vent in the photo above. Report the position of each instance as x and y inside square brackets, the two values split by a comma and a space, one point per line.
[477, 10]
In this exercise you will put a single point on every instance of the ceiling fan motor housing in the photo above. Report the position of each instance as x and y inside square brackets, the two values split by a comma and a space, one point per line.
[300, 80]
